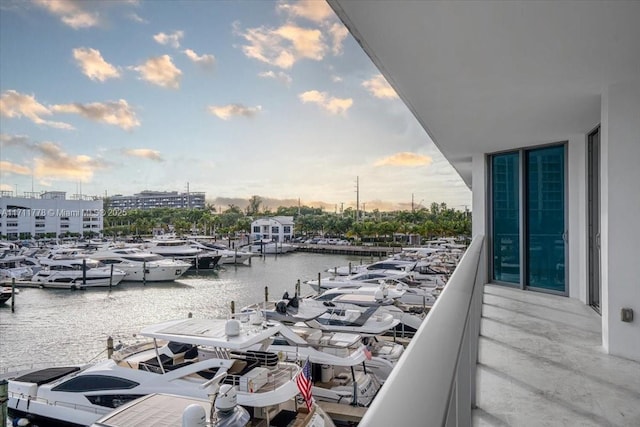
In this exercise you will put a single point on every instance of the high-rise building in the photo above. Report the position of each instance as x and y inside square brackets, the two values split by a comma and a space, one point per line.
[157, 199]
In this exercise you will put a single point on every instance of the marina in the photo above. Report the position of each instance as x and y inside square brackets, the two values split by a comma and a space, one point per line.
[105, 327]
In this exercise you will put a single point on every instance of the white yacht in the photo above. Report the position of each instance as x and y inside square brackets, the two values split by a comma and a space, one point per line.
[227, 256]
[344, 369]
[359, 279]
[76, 273]
[141, 265]
[184, 355]
[387, 264]
[175, 248]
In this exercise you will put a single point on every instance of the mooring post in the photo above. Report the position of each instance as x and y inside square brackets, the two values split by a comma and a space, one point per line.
[319, 284]
[298, 288]
[233, 307]
[190, 315]
[349, 268]
[111, 277]
[266, 294]
[84, 272]
[144, 272]
[4, 398]
[109, 347]
[13, 297]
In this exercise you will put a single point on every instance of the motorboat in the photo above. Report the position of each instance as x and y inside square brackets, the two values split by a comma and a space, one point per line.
[76, 273]
[169, 410]
[182, 249]
[181, 359]
[343, 368]
[142, 266]
[364, 278]
[387, 264]
[6, 293]
[227, 256]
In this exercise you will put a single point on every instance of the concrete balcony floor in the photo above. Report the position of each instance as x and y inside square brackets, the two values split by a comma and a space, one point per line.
[541, 363]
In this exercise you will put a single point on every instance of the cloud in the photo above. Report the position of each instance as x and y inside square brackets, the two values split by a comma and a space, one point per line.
[405, 159]
[204, 60]
[313, 10]
[136, 18]
[170, 39]
[117, 113]
[284, 46]
[378, 87]
[160, 71]
[93, 65]
[336, 78]
[280, 76]
[15, 105]
[8, 167]
[225, 112]
[145, 153]
[52, 163]
[71, 13]
[338, 33]
[329, 103]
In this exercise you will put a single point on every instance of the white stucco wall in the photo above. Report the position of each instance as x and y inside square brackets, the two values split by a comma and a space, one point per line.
[577, 216]
[620, 222]
[479, 206]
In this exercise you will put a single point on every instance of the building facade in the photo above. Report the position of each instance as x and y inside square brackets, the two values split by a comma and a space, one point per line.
[277, 229]
[49, 215]
[537, 107]
[158, 199]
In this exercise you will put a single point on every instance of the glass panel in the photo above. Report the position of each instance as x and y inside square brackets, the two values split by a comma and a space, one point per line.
[506, 223]
[545, 218]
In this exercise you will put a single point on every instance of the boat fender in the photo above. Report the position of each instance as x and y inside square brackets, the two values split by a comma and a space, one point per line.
[20, 422]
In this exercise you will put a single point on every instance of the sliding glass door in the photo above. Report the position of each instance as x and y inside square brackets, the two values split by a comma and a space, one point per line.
[545, 218]
[528, 224]
[505, 217]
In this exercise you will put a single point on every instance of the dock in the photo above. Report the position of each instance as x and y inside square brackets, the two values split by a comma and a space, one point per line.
[343, 413]
[364, 251]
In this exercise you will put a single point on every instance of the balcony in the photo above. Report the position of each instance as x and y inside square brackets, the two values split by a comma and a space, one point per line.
[518, 358]
[541, 361]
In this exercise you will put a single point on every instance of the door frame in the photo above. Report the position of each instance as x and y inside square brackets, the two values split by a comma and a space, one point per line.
[593, 209]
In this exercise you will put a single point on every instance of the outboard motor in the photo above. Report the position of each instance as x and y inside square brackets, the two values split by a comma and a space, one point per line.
[293, 302]
[281, 307]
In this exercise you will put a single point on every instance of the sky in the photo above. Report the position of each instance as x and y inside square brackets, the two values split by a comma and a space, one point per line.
[232, 98]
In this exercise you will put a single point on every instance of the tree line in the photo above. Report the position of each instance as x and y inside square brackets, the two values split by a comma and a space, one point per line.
[436, 221]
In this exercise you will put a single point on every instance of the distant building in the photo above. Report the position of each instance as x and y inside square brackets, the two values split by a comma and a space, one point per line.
[277, 229]
[157, 199]
[49, 215]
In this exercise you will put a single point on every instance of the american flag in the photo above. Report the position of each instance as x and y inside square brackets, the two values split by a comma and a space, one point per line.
[303, 380]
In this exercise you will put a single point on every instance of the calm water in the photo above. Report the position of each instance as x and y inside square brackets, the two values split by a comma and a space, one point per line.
[61, 326]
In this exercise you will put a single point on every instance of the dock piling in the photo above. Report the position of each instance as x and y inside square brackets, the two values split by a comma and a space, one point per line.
[144, 272]
[84, 272]
[109, 347]
[111, 277]
[233, 307]
[266, 294]
[4, 398]
[13, 295]
[298, 288]
[319, 284]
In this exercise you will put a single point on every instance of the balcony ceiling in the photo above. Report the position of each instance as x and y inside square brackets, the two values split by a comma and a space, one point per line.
[484, 76]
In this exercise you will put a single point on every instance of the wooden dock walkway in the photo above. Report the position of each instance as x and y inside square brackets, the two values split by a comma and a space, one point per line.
[364, 251]
[343, 413]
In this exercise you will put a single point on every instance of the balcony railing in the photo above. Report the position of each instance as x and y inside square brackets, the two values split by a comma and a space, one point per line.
[433, 383]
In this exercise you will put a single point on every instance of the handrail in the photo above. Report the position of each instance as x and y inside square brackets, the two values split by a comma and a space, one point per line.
[433, 383]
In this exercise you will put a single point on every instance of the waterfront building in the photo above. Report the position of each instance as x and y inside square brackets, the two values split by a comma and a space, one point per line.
[537, 107]
[158, 199]
[277, 229]
[49, 215]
